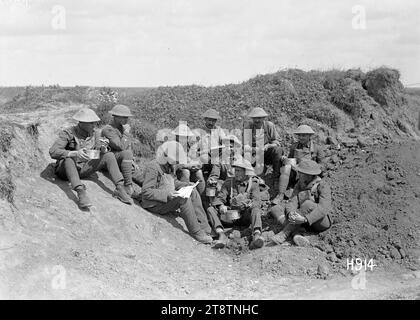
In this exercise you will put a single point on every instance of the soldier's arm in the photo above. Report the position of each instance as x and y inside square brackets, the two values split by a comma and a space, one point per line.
[221, 197]
[115, 142]
[274, 135]
[292, 204]
[58, 149]
[149, 190]
[323, 207]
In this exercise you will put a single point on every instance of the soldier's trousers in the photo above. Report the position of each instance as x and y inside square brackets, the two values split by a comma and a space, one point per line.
[251, 216]
[191, 211]
[67, 169]
[125, 162]
[322, 224]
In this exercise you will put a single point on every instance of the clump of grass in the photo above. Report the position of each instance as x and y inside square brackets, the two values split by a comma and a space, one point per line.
[7, 186]
[144, 133]
[6, 136]
[33, 129]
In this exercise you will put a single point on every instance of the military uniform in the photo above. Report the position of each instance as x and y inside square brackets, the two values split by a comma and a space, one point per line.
[73, 139]
[314, 202]
[239, 195]
[159, 183]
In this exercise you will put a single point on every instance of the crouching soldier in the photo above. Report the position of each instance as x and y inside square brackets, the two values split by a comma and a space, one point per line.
[238, 193]
[73, 162]
[308, 208]
[303, 148]
[118, 138]
[159, 193]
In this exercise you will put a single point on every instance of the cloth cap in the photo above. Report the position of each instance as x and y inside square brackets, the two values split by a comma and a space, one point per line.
[171, 151]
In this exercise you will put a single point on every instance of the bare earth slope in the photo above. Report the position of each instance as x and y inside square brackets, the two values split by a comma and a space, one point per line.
[119, 251]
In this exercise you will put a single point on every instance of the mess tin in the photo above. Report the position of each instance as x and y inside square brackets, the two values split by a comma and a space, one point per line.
[93, 154]
[232, 215]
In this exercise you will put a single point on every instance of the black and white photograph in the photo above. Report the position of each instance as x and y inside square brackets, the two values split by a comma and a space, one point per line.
[209, 154]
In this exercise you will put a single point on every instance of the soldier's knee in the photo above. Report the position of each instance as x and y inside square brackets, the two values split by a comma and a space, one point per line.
[127, 155]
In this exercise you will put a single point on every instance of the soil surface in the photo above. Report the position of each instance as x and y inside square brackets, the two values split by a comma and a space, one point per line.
[51, 249]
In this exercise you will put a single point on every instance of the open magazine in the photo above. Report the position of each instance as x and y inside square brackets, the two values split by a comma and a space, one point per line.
[185, 192]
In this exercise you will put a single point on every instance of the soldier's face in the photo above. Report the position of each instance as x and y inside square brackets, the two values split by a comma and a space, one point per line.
[240, 173]
[258, 122]
[304, 138]
[87, 126]
[210, 123]
[120, 121]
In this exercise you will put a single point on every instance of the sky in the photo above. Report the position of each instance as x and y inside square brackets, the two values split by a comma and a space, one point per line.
[147, 43]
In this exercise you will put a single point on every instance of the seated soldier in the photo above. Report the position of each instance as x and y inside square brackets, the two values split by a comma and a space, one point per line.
[118, 135]
[191, 170]
[242, 194]
[159, 193]
[309, 206]
[262, 137]
[73, 162]
[303, 148]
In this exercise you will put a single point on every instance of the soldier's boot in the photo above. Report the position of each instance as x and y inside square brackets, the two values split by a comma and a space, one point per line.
[284, 234]
[257, 240]
[84, 201]
[202, 237]
[129, 189]
[221, 242]
[122, 195]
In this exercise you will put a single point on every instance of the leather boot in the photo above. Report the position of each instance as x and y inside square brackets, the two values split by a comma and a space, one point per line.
[221, 242]
[202, 237]
[129, 189]
[122, 195]
[257, 241]
[84, 201]
[282, 236]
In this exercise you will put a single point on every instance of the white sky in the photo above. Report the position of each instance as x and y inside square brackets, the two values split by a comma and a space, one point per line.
[206, 42]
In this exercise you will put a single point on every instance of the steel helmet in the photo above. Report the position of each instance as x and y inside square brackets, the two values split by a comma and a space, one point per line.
[86, 115]
[304, 129]
[308, 167]
[121, 110]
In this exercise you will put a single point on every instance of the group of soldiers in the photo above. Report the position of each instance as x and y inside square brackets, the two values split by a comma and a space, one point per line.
[220, 168]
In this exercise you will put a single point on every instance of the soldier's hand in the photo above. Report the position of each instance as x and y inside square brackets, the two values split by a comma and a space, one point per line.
[296, 218]
[82, 155]
[223, 209]
[126, 128]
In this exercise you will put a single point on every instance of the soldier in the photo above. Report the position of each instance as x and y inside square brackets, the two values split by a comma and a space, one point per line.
[242, 194]
[118, 135]
[73, 162]
[209, 141]
[309, 206]
[191, 170]
[159, 193]
[270, 139]
[303, 148]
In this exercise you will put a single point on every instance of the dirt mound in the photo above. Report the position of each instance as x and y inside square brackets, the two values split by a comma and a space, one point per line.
[384, 86]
